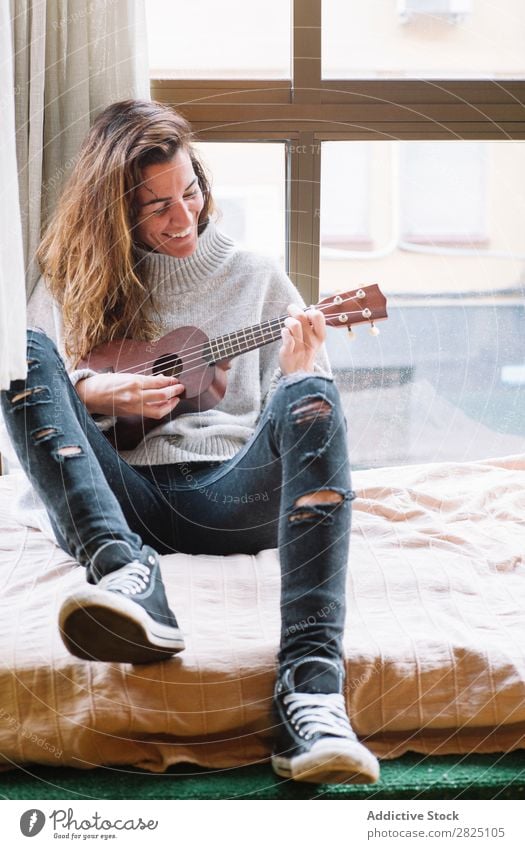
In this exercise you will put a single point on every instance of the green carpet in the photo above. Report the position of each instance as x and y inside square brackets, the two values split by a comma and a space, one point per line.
[499, 776]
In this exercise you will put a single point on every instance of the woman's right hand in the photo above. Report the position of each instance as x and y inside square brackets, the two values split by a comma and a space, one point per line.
[122, 394]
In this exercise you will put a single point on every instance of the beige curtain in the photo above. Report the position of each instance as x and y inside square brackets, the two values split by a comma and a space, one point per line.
[12, 287]
[71, 58]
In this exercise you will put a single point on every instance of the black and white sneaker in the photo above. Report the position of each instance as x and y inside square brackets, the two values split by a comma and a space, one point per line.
[124, 618]
[315, 741]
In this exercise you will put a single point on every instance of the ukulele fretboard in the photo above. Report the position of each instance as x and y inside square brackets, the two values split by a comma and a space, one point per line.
[241, 341]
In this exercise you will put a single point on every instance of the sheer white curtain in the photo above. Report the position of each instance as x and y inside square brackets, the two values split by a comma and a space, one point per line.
[71, 58]
[12, 286]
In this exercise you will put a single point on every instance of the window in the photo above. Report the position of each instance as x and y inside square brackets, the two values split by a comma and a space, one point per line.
[203, 39]
[399, 145]
[443, 193]
[445, 378]
[345, 201]
[425, 39]
[248, 183]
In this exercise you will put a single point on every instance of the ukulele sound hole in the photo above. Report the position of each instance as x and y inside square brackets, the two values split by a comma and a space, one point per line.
[169, 364]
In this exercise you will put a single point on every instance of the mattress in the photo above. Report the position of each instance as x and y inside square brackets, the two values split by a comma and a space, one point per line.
[434, 640]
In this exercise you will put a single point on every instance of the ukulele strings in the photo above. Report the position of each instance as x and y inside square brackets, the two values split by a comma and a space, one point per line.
[257, 340]
[273, 324]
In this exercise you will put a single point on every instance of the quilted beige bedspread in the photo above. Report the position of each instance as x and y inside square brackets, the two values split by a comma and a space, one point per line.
[435, 639]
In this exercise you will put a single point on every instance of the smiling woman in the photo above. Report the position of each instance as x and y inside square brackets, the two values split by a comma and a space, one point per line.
[169, 203]
[133, 252]
[135, 152]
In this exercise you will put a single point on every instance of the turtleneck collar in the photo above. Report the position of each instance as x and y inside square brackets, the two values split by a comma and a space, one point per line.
[186, 273]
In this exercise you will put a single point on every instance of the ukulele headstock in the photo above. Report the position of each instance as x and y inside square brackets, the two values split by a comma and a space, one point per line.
[367, 304]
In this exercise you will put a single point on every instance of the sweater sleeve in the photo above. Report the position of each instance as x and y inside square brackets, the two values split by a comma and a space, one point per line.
[281, 292]
[43, 313]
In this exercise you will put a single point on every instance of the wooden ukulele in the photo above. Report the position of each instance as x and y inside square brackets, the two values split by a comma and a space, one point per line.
[201, 363]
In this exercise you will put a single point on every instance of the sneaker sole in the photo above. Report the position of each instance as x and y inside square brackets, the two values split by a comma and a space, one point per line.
[334, 762]
[96, 626]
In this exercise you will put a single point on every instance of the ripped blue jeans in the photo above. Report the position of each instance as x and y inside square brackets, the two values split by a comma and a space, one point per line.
[253, 501]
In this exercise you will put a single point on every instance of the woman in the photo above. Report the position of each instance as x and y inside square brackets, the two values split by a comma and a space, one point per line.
[132, 251]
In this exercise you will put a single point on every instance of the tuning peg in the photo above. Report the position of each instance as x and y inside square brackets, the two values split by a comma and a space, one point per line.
[360, 294]
[351, 334]
[373, 330]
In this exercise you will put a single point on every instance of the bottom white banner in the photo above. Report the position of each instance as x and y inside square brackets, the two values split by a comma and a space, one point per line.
[313, 822]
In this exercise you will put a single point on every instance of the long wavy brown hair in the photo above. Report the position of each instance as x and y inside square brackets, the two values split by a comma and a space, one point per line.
[87, 255]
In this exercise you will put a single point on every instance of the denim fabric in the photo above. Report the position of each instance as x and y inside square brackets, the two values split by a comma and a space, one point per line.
[95, 499]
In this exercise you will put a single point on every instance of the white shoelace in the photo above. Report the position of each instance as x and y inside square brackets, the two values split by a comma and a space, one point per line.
[323, 712]
[130, 579]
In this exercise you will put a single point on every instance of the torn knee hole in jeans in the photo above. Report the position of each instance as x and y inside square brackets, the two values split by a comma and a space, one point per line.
[321, 503]
[42, 434]
[314, 414]
[28, 395]
[311, 408]
[68, 451]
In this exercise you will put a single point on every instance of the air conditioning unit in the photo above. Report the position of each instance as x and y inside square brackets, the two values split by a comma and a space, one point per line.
[453, 10]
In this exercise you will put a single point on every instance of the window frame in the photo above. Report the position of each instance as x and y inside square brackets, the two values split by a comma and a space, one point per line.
[306, 110]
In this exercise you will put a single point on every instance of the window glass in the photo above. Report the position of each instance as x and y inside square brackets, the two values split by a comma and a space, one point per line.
[445, 379]
[204, 39]
[248, 184]
[346, 221]
[443, 192]
[424, 39]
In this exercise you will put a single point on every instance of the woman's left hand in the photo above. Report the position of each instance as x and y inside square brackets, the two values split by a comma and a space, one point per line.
[303, 334]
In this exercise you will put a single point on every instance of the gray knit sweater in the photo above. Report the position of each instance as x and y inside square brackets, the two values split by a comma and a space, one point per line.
[219, 289]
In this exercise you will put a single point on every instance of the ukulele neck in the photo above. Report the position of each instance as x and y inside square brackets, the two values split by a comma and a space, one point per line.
[238, 342]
